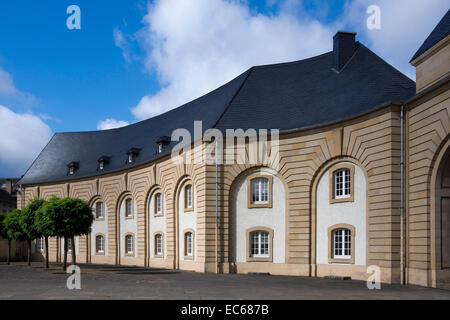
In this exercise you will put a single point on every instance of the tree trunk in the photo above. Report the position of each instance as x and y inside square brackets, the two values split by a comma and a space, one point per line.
[9, 251]
[29, 253]
[46, 253]
[74, 260]
[65, 254]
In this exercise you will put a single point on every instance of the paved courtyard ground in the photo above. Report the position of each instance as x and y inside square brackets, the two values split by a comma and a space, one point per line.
[19, 281]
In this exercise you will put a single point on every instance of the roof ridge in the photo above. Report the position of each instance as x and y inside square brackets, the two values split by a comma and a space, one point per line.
[272, 65]
[249, 71]
[388, 64]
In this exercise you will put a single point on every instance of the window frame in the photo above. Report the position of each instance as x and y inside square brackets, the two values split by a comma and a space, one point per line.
[97, 252]
[126, 252]
[331, 244]
[250, 179]
[157, 213]
[126, 208]
[40, 242]
[333, 171]
[188, 256]
[97, 218]
[155, 244]
[186, 207]
[249, 233]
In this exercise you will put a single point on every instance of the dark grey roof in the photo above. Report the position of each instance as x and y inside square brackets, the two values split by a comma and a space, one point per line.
[439, 32]
[283, 96]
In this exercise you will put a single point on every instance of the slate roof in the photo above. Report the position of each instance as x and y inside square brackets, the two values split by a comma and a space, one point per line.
[286, 96]
[439, 32]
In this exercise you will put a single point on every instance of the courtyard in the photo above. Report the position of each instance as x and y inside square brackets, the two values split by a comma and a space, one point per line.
[19, 281]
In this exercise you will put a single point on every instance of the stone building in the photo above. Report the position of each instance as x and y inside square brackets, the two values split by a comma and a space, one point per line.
[357, 174]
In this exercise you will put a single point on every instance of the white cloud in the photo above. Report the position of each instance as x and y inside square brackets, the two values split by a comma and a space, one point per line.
[23, 136]
[405, 24]
[111, 124]
[195, 46]
[9, 90]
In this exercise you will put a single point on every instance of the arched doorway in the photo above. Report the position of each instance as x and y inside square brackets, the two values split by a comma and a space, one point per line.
[442, 208]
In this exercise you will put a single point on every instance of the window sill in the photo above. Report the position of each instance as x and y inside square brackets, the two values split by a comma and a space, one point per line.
[341, 261]
[188, 209]
[259, 259]
[341, 200]
[99, 253]
[260, 205]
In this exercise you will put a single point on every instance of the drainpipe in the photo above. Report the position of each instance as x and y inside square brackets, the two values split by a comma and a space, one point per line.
[402, 207]
[217, 215]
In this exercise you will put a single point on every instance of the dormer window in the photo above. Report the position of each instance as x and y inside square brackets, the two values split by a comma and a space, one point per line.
[132, 154]
[161, 143]
[102, 161]
[72, 167]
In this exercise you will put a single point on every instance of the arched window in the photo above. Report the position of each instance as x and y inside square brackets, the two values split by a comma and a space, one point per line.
[129, 208]
[158, 204]
[259, 244]
[129, 244]
[159, 246]
[100, 244]
[188, 244]
[259, 191]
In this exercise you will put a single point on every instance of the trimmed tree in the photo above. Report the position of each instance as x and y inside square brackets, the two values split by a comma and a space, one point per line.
[14, 230]
[45, 226]
[4, 234]
[27, 221]
[70, 217]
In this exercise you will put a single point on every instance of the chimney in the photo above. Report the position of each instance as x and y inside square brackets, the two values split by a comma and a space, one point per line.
[343, 48]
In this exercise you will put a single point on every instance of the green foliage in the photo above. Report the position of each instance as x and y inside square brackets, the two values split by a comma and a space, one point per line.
[66, 217]
[3, 230]
[28, 219]
[13, 226]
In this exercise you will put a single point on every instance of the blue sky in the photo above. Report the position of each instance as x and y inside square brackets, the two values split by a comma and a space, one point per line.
[134, 59]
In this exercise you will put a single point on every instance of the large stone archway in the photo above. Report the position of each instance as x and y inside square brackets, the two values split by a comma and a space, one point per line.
[441, 228]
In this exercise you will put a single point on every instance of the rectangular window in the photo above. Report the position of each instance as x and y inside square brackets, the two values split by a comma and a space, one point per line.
[259, 244]
[99, 210]
[188, 243]
[158, 245]
[129, 243]
[69, 244]
[158, 203]
[342, 244]
[342, 184]
[40, 244]
[189, 196]
[129, 208]
[260, 190]
[99, 244]
[130, 158]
